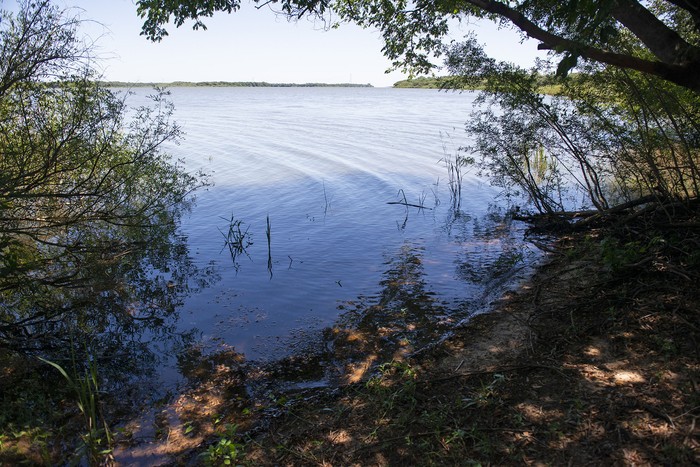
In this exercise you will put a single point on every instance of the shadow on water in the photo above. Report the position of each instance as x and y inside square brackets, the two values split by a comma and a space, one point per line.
[407, 317]
[403, 318]
[406, 314]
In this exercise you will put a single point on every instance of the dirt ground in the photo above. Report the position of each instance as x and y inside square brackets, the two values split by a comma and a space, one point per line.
[583, 365]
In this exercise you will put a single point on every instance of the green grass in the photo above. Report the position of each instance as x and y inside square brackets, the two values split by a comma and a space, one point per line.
[96, 443]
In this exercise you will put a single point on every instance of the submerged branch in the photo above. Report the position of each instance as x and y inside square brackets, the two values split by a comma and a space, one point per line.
[402, 203]
[587, 217]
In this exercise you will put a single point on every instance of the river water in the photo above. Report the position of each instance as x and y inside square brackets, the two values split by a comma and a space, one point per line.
[322, 165]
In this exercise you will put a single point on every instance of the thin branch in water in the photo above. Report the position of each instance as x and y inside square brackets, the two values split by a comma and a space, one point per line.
[326, 199]
[268, 233]
[419, 206]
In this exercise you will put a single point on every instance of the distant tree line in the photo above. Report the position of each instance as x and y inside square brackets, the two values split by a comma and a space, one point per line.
[546, 84]
[229, 84]
[423, 82]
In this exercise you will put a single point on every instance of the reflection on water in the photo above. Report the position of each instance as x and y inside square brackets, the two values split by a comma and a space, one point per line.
[408, 314]
[131, 325]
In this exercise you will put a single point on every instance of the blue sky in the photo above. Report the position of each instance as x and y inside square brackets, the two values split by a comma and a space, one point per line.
[255, 45]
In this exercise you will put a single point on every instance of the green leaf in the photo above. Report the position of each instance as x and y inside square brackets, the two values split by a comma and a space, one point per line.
[59, 368]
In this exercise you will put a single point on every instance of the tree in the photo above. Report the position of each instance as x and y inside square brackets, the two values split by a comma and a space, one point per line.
[610, 137]
[88, 201]
[666, 32]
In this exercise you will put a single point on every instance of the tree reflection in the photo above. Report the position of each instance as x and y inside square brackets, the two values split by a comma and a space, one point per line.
[406, 315]
[121, 301]
[492, 251]
[92, 267]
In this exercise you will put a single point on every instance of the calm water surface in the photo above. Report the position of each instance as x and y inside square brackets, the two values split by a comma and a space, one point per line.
[322, 164]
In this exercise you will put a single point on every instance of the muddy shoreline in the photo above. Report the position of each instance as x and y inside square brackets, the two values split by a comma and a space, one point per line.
[580, 365]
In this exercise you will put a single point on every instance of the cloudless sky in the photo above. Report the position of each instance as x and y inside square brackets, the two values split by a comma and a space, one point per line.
[255, 45]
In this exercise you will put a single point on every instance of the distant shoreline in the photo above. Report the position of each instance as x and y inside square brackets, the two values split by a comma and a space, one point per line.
[547, 85]
[229, 84]
[422, 82]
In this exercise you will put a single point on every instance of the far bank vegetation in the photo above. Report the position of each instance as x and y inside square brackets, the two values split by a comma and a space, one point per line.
[228, 84]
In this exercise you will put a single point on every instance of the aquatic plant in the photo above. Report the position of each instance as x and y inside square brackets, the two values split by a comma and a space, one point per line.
[236, 239]
[327, 199]
[455, 165]
[96, 442]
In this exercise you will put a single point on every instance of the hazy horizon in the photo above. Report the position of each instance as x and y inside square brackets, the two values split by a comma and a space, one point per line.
[256, 46]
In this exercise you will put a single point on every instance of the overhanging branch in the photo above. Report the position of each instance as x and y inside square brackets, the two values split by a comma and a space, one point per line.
[687, 75]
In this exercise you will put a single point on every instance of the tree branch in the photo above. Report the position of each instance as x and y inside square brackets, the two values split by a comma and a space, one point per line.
[665, 43]
[687, 75]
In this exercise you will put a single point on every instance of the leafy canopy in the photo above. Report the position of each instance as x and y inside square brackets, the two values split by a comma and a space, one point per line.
[666, 32]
